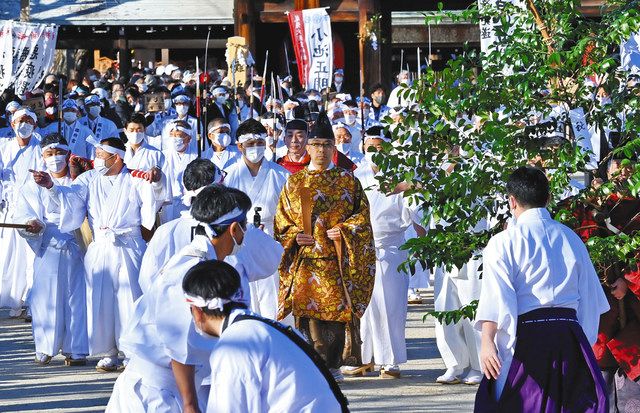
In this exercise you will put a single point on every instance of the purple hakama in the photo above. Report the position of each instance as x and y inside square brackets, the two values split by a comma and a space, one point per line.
[553, 369]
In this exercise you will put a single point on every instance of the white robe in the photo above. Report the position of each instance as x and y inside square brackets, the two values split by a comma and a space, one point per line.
[174, 166]
[223, 160]
[458, 343]
[100, 127]
[383, 325]
[16, 258]
[116, 207]
[144, 159]
[79, 137]
[536, 263]
[167, 240]
[57, 299]
[264, 190]
[162, 330]
[256, 368]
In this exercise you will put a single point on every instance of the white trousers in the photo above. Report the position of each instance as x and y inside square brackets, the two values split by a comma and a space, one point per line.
[459, 343]
[144, 387]
[112, 271]
[16, 264]
[264, 296]
[58, 302]
[382, 327]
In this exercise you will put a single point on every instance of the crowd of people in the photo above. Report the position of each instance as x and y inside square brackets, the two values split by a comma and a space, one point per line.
[166, 241]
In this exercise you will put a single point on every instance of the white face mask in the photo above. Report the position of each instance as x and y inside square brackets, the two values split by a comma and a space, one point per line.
[182, 109]
[24, 130]
[142, 87]
[236, 247]
[344, 147]
[94, 111]
[202, 333]
[221, 100]
[56, 163]
[339, 79]
[100, 166]
[69, 117]
[254, 154]
[167, 104]
[222, 139]
[135, 137]
[349, 118]
[179, 145]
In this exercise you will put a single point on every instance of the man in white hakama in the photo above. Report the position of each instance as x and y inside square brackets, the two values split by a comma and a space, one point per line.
[117, 206]
[257, 365]
[176, 160]
[169, 358]
[80, 138]
[164, 141]
[139, 154]
[171, 237]
[220, 153]
[57, 299]
[262, 181]
[383, 324]
[18, 155]
[100, 127]
[539, 311]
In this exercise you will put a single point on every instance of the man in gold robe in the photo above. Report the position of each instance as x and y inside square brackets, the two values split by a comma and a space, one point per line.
[325, 295]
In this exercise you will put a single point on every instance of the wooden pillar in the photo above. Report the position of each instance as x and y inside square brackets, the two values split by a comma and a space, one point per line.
[96, 58]
[306, 4]
[124, 57]
[371, 59]
[385, 48]
[244, 22]
[25, 10]
[164, 56]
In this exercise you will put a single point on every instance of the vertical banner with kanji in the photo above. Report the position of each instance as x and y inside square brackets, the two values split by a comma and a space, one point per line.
[26, 54]
[491, 14]
[630, 54]
[311, 37]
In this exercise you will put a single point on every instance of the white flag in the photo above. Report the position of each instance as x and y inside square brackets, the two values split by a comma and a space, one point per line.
[27, 51]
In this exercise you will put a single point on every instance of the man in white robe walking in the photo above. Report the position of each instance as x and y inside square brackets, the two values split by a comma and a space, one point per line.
[80, 138]
[258, 365]
[100, 127]
[176, 160]
[539, 311]
[383, 324]
[18, 155]
[262, 181]
[117, 206]
[169, 358]
[57, 299]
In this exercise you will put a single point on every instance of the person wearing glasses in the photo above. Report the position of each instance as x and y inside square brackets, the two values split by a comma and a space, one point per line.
[328, 267]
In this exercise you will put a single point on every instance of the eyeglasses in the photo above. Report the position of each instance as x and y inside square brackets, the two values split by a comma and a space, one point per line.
[321, 145]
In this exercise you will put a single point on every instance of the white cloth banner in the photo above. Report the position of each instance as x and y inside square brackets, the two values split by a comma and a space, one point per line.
[491, 12]
[26, 54]
[588, 141]
[313, 44]
[630, 54]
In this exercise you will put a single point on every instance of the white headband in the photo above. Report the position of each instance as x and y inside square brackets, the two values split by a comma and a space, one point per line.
[223, 125]
[215, 303]
[56, 145]
[250, 136]
[189, 195]
[21, 112]
[112, 150]
[181, 129]
[227, 218]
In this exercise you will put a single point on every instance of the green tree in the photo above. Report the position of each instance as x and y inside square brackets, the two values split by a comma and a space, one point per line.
[458, 167]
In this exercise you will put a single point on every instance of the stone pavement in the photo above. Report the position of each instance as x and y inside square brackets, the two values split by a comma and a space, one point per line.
[26, 387]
